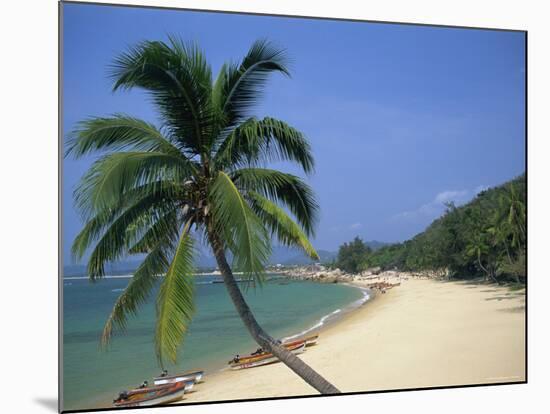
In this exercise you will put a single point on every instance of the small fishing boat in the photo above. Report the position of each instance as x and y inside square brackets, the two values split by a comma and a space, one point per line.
[264, 359]
[189, 384]
[145, 397]
[195, 376]
[310, 340]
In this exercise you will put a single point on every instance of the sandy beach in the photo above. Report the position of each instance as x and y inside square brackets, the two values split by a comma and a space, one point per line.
[423, 333]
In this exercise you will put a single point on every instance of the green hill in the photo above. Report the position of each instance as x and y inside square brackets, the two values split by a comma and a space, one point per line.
[486, 237]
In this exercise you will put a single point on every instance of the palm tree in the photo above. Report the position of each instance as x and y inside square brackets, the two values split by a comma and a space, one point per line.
[201, 174]
[479, 248]
[514, 212]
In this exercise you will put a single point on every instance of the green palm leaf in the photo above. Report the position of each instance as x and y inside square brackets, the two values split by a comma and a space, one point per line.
[136, 293]
[266, 140]
[119, 237]
[281, 187]
[239, 87]
[117, 133]
[281, 225]
[179, 80]
[175, 305]
[116, 174]
[97, 224]
[243, 231]
[167, 225]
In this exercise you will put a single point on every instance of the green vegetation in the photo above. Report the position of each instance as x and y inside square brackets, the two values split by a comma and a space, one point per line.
[200, 174]
[486, 237]
[351, 255]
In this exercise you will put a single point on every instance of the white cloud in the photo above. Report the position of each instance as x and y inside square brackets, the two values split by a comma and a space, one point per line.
[436, 207]
[480, 188]
[448, 196]
[356, 226]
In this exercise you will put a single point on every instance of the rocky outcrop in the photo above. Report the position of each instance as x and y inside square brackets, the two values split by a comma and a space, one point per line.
[373, 277]
[322, 275]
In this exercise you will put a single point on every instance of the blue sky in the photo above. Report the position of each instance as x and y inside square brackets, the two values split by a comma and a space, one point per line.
[401, 118]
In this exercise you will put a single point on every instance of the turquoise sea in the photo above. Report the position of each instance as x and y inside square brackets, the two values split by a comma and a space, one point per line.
[92, 377]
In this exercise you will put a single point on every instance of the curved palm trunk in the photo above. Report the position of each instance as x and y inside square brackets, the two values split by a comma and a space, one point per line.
[489, 273]
[256, 331]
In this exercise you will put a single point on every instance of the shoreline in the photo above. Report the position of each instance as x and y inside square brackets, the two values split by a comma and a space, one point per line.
[332, 316]
[420, 332]
[424, 333]
[329, 326]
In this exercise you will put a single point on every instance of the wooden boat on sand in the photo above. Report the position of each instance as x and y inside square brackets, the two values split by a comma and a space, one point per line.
[264, 359]
[189, 384]
[310, 340]
[195, 376]
[145, 397]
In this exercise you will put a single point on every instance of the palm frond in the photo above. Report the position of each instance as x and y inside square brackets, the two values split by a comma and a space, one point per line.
[175, 305]
[119, 173]
[137, 292]
[96, 224]
[284, 188]
[262, 141]
[120, 235]
[166, 225]
[241, 228]
[117, 133]
[179, 79]
[239, 87]
[281, 225]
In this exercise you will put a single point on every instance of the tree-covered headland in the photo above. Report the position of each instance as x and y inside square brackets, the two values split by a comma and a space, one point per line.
[486, 237]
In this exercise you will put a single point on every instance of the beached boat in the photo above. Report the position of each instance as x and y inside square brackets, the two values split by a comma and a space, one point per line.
[162, 394]
[195, 376]
[189, 384]
[264, 359]
[310, 340]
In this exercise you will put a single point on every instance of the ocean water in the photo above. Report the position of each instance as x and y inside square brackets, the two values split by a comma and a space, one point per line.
[92, 377]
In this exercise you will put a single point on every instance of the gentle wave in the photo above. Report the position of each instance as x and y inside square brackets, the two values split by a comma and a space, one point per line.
[312, 328]
[322, 321]
[117, 290]
[365, 297]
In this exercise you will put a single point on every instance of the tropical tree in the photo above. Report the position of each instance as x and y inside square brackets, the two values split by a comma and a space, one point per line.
[514, 213]
[200, 174]
[480, 248]
[351, 255]
[486, 235]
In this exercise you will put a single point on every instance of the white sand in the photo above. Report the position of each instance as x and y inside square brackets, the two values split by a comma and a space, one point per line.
[423, 333]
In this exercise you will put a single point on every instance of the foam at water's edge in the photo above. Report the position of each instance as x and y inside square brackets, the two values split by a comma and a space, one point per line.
[318, 325]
